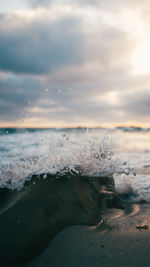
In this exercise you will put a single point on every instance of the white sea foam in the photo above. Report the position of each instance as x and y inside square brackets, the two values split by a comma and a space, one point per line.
[94, 153]
[89, 153]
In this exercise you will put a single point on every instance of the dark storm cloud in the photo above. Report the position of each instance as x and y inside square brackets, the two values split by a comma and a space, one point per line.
[66, 55]
[39, 46]
[98, 72]
[64, 67]
[42, 46]
[16, 95]
[101, 70]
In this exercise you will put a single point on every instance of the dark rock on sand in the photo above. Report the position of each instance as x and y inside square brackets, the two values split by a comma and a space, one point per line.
[30, 218]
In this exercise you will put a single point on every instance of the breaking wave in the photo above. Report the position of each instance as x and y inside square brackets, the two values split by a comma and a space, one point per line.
[87, 153]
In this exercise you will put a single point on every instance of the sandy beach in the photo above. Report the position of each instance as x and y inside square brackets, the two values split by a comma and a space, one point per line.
[72, 221]
[115, 242]
[121, 238]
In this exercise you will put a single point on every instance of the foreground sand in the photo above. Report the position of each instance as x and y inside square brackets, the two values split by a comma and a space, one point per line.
[115, 242]
[36, 225]
[31, 218]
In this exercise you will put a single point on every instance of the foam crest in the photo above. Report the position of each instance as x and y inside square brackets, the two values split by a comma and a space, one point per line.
[87, 153]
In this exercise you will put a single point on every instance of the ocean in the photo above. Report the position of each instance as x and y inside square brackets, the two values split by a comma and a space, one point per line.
[123, 153]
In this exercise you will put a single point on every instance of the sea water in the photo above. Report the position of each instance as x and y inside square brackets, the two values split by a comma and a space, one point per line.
[121, 153]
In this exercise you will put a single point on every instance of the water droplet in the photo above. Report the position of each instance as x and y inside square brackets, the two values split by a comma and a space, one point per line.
[22, 114]
[45, 176]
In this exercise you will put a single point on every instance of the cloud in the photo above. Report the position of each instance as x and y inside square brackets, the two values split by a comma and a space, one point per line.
[25, 98]
[47, 3]
[37, 47]
[109, 5]
[67, 67]
[15, 96]
[37, 3]
[64, 54]
[136, 105]
[41, 46]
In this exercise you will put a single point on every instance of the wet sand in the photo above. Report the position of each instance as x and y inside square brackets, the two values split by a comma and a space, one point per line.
[121, 238]
[71, 222]
[115, 242]
[30, 218]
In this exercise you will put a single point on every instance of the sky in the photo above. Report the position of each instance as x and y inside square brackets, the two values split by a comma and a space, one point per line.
[66, 63]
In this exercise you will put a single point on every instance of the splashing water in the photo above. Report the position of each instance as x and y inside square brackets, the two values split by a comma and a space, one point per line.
[89, 153]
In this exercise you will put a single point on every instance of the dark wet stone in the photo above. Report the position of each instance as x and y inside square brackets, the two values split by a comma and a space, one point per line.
[30, 218]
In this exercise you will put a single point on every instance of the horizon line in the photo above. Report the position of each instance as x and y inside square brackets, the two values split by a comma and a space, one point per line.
[77, 127]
